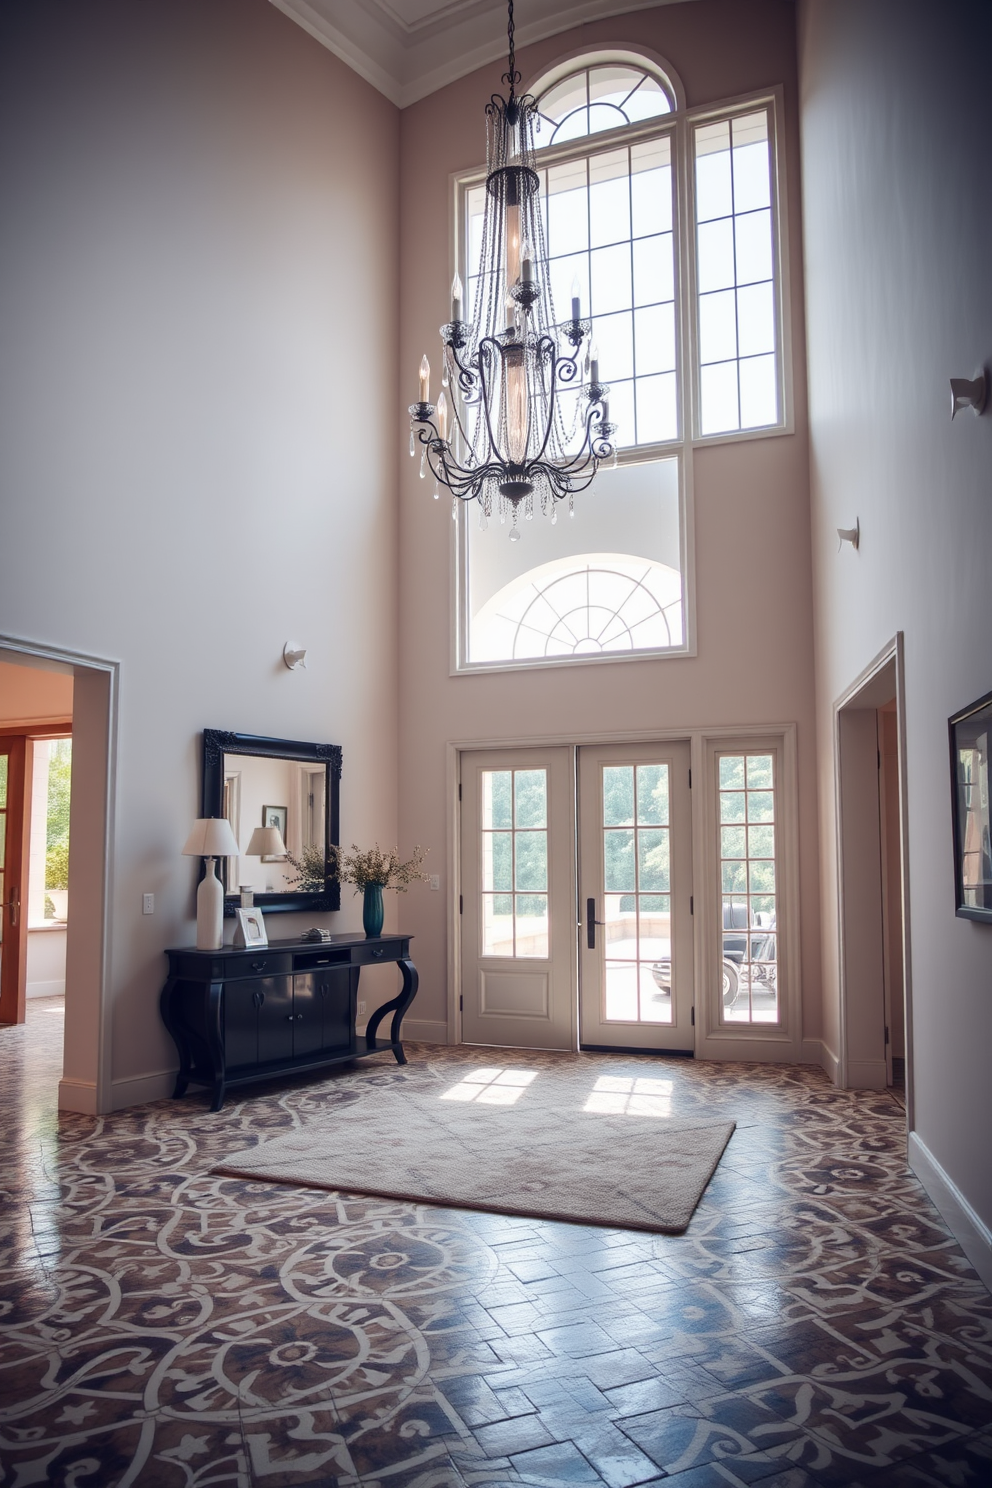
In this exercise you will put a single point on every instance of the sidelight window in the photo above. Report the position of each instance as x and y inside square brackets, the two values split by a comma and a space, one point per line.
[748, 887]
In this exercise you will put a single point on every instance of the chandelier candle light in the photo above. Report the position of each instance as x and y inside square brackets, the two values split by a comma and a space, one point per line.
[521, 428]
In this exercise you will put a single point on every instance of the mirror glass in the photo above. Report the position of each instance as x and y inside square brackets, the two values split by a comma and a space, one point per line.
[289, 794]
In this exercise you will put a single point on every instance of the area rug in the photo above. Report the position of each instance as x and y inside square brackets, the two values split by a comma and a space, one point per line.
[535, 1147]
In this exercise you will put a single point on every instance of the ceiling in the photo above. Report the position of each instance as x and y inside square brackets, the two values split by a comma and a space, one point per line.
[409, 48]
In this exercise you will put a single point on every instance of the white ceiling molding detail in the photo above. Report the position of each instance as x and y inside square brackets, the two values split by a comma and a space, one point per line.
[410, 48]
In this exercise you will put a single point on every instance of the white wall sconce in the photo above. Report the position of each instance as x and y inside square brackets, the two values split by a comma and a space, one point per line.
[850, 535]
[294, 656]
[970, 392]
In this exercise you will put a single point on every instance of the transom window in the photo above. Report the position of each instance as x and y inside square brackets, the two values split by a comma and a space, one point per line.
[600, 98]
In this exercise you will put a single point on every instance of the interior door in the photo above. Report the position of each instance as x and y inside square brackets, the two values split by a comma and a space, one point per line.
[635, 878]
[15, 793]
[518, 898]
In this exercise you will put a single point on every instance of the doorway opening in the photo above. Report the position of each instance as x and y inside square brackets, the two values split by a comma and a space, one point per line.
[57, 733]
[872, 879]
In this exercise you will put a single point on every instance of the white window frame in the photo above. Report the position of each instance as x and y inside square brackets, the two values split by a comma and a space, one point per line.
[679, 124]
[717, 1038]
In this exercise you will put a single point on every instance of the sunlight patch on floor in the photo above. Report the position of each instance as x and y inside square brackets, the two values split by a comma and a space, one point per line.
[491, 1087]
[616, 1095]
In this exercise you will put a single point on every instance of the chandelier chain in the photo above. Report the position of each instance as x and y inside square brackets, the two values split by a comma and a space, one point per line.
[511, 76]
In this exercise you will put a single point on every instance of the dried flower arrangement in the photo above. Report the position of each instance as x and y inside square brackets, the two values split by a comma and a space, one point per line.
[309, 870]
[373, 866]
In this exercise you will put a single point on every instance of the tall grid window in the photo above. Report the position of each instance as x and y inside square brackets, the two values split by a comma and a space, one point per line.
[515, 863]
[747, 813]
[738, 375]
[690, 351]
[609, 232]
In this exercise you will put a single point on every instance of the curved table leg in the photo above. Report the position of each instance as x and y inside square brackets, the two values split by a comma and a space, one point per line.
[179, 1038]
[215, 1042]
[398, 1007]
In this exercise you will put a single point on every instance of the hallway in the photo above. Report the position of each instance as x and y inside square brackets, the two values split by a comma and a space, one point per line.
[815, 1325]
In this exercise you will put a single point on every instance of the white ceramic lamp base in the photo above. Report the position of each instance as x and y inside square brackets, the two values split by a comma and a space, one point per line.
[210, 911]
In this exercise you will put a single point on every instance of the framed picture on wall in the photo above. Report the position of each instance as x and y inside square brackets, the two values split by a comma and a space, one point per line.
[970, 737]
[275, 816]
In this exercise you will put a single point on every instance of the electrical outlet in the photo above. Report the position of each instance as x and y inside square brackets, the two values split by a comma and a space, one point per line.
[435, 880]
[361, 1009]
[148, 904]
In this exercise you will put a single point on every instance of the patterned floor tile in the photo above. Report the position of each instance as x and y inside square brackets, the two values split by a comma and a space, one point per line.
[816, 1325]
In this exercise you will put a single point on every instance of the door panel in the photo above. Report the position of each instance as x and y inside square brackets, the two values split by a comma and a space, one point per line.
[308, 1013]
[240, 1024]
[635, 873]
[518, 899]
[275, 1017]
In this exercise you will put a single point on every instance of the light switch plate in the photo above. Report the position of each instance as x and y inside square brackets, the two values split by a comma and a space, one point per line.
[435, 880]
[148, 904]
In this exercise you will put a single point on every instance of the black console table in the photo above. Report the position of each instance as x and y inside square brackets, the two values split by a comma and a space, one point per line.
[239, 1016]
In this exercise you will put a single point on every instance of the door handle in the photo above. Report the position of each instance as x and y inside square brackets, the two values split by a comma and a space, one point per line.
[14, 905]
[591, 923]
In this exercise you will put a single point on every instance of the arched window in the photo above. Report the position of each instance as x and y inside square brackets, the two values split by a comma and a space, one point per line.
[583, 606]
[604, 97]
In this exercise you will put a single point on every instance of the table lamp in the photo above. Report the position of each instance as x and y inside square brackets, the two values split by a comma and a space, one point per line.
[210, 838]
[266, 842]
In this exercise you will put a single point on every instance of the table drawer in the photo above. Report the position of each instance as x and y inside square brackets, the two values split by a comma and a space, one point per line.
[263, 963]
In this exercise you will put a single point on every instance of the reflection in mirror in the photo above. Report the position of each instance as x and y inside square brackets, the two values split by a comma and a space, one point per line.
[283, 793]
[282, 799]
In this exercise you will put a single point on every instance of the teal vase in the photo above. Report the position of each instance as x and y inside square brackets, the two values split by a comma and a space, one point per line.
[372, 910]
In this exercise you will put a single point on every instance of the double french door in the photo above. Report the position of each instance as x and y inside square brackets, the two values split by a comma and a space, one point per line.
[576, 898]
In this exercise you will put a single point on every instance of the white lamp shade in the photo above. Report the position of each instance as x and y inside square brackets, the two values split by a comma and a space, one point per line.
[266, 842]
[211, 837]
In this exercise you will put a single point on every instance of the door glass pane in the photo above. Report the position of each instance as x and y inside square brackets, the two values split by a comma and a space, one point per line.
[749, 975]
[515, 863]
[637, 903]
[3, 780]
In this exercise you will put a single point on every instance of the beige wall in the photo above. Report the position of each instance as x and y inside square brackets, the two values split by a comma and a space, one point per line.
[754, 662]
[198, 290]
[898, 221]
[31, 695]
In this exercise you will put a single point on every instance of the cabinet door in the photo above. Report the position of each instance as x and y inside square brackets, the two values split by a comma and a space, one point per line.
[307, 1015]
[275, 1017]
[334, 991]
[240, 1024]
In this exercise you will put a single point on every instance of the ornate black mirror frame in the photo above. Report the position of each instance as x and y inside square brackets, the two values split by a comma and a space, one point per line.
[217, 743]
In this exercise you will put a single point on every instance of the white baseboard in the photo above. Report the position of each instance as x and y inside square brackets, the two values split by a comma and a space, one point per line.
[136, 1090]
[867, 1074]
[830, 1062]
[417, 1030]
[968, 1228]
[424, 1031]
[46, 989]
[78, 1096]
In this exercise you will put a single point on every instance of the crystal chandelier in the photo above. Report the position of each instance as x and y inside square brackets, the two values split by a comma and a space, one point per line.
[528, 422]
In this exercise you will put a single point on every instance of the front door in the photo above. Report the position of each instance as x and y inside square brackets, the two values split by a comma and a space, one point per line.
[635, 882]
[518, 898]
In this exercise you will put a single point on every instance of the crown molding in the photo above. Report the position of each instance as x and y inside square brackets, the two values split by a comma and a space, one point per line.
[408, 49]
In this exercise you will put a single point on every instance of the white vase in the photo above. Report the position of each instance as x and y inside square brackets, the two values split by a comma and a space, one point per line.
[210, 911]
[60, 903]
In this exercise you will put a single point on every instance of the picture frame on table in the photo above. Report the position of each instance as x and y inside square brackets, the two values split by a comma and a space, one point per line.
[275, 816]
[970, 733]
[250, 928]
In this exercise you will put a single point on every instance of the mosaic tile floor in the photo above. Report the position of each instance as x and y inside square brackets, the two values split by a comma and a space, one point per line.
[816, 1325]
